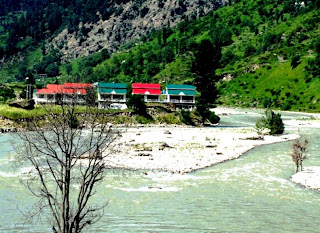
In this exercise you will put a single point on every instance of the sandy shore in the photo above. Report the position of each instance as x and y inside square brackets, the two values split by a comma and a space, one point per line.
[309, 177]
[183, 149]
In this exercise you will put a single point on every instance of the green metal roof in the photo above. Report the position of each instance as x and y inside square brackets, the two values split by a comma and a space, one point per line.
[182, 92]
[112, 85]
[181, 87]
[112, 91]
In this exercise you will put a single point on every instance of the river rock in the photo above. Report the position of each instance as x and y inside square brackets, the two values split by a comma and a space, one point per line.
[167, 132]
[163, 145]
[144, 154]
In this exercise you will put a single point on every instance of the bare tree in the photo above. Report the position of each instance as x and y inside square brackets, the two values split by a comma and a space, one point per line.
[68, 154]
[298, 153]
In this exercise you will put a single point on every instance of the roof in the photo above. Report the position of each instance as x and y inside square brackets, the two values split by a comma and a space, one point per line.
[146, 89]
[112, 85]
[112, 88]
[67, 88]
[146, 86]
[51, 89]
[77, 85]
[112, 91]
[182, 92]
[181, 87]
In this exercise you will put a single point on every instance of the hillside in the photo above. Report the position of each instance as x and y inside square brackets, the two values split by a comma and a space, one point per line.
[270, 56]
[34, 34]
[267, 48]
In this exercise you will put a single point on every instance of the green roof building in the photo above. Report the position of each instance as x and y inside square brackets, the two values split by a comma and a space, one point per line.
[182, 96]
[111, 93]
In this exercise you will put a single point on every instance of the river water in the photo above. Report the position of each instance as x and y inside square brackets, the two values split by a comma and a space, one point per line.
[249, 194]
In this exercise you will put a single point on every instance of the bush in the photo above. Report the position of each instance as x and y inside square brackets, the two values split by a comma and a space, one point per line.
[137, 103]
[295, 61]
[271, 121]
[206, 114]
[185, 117]
[144, 120]
[213, 118]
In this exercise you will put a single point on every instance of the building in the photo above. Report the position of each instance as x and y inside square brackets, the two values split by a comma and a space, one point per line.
[182, 96]
[48, 95]
[67, 92]
[75, 92]
[111, 94]
[151, 92]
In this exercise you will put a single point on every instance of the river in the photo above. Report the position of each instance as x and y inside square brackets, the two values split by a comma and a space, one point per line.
[249, 194]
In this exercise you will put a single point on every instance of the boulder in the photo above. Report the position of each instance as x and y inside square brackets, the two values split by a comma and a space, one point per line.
[167, 132]
[24, 104]
[163, 145]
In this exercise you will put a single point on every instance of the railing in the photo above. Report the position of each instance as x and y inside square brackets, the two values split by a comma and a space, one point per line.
[152, 100]
[180, 101]
[112, 100]
[187, 101]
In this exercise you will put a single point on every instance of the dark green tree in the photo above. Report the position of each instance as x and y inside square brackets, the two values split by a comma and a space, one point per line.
[137, 103]
[207, 57]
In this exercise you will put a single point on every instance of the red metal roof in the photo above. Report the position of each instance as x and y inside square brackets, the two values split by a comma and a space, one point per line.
[51, 89]
[77, 85]
[67, 88]
[146, 85]
[146, 89]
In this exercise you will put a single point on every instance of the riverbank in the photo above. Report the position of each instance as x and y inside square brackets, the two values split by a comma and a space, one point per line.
[309, 178]
[183, 149]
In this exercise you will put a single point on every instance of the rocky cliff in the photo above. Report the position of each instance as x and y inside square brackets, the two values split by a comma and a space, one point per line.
[130, 20]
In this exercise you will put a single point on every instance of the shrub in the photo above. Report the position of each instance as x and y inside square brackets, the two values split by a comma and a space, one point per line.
[143, 120]
[213, 118]
[271, 121]
[185, 117]
[295, 61]
[137, 103]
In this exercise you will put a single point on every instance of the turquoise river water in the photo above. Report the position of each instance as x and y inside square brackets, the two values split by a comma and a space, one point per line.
[249, 194]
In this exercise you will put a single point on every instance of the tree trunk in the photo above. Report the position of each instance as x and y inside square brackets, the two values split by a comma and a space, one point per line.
[297, 168]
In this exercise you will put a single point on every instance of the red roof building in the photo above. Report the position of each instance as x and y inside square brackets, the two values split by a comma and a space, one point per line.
[48, 94]
[150, 91]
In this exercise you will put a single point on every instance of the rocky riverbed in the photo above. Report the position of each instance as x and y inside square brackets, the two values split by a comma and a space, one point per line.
[182, 149]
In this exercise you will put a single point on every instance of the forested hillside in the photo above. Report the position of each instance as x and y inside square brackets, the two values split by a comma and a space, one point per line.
[270, 55]
[39, 35]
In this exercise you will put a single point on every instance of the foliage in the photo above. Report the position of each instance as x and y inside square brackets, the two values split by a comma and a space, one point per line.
[6, 93]
[265, 34]
[298, 153]
[295, 61]
[313, 67]
[91, 96]
[185, 117]
[137, 103]
[270, 121]
[207, 57]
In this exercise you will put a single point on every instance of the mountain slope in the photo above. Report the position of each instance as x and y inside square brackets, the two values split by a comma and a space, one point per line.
[267, 47]
[64, 30]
